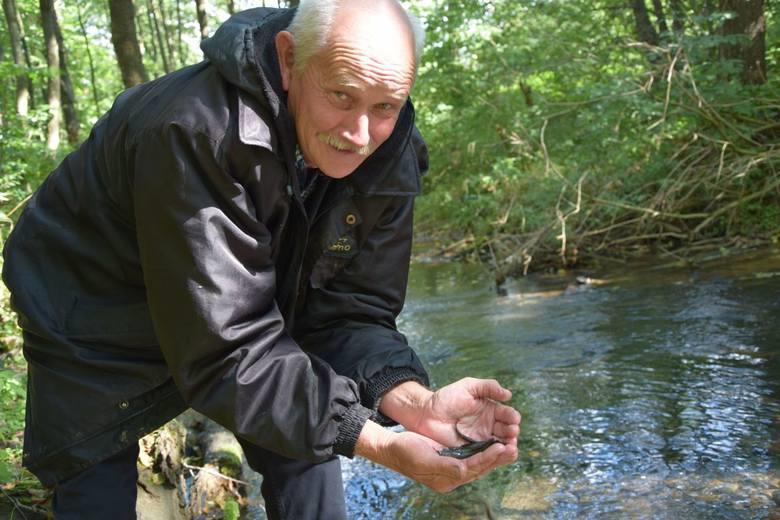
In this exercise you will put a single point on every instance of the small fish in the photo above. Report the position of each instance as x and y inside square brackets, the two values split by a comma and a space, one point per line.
[467, 450]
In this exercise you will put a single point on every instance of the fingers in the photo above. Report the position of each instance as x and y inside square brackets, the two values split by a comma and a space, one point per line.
[493, 419]
[507, 422]
[506, 432]
[489, 389]
[443, 474]
[479, 465]
[417, 457]
[509, 455]
[506, 414]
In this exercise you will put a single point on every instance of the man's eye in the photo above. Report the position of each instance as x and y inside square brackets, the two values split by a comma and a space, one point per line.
[386, 109]
[341, 96]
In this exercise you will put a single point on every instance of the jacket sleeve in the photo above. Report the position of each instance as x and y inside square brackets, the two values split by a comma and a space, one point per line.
[350, 321]
[210, 284]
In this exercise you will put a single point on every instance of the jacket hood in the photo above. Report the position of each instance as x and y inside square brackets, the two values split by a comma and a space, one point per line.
[244, 52]
[243, 49]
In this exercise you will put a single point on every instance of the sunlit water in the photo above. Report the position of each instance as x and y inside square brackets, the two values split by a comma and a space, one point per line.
[653, 394]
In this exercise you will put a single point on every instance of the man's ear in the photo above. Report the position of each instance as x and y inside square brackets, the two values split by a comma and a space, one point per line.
[285, 52]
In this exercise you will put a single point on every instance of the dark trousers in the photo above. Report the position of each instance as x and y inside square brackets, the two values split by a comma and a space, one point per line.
[292, 489]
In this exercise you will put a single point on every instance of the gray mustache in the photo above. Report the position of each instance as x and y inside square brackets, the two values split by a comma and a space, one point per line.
[338, 144]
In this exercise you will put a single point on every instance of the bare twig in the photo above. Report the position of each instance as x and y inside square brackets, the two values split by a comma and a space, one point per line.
[669, 77]
[213, 472]
[21, 203]
[562, 217]
[22, 507]
[652, 236]
[650, 211]
[611, 227]
[706, 222]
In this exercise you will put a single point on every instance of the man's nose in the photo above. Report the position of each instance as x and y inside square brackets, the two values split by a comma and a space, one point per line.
[356, 130]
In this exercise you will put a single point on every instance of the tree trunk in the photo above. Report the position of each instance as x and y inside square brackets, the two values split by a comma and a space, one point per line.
[91, 62]
[231, 6]
[166, 36]
[660, 17]
[222, 457]
[293, 3]
[200, 7]
[3, 85]
[749, 21]
[27, 60]
[125, 40]
[161, 472]
[707, 10]
[68, 96]
[48, 21]
[160, 43]
[179, 42]
[678, 17]
[23, 90]
[644, 27]
[147, 35]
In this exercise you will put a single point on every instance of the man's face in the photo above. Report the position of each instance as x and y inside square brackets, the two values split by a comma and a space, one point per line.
[347, 99]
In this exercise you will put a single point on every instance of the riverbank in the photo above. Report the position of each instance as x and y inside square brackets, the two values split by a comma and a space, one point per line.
[548, 259]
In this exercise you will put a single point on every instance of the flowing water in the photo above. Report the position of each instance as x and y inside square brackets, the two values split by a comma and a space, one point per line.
[653, 393]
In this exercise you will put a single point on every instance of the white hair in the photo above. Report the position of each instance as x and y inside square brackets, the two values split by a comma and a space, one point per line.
[313, 21]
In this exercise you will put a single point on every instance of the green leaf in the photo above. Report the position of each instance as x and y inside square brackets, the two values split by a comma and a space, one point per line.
[231, 510]
[6, 472]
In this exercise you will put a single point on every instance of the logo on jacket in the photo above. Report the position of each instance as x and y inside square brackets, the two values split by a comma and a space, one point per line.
[341, 245]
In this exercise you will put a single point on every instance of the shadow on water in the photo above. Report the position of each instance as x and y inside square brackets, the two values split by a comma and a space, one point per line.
[647, 394]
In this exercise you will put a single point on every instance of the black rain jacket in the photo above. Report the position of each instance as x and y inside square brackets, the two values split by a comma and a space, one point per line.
[173, 261]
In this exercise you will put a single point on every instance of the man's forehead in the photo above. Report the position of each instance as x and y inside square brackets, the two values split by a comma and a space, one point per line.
[394, 87]
[370, 48]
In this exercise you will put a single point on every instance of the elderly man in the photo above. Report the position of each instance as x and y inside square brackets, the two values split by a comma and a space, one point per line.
[235, 237]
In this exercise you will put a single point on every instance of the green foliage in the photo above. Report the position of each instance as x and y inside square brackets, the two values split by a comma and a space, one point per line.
[24, 160]
[531, 107]
[12, 403]
[96, 44]
[231, 510]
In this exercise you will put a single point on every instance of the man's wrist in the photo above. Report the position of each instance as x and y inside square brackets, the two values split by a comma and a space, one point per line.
[405, 403]
[374, 443]
[351, 425]
[379, 384]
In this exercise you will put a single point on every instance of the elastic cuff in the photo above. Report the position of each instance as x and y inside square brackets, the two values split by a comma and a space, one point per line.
[381, 384]
[352, 423]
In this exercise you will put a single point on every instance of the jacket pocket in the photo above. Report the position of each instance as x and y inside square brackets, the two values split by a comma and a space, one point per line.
[111, 324]
[334, 242]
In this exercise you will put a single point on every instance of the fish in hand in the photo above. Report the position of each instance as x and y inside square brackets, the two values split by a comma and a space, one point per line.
[472, 446]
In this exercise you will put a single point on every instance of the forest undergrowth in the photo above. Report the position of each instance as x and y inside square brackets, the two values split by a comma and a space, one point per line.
[706, 181]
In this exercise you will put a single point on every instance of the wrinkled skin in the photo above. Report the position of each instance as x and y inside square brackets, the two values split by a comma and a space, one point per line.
[347, 99]
[438, 421]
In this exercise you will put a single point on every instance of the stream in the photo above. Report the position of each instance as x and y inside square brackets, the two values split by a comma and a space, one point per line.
[649, 392]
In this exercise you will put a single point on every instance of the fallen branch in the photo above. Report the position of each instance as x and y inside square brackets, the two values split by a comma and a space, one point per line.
[23, 507]
[734, 204]
[214, 473]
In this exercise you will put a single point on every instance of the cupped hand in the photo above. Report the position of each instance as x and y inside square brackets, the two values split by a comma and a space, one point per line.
[417, 457]
[469, 407]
